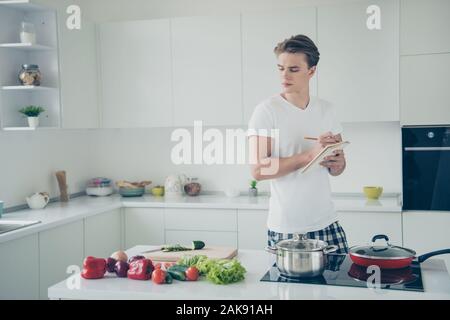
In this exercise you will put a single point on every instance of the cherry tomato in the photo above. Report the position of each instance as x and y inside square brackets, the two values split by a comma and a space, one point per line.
[159, 276]
[192, 274]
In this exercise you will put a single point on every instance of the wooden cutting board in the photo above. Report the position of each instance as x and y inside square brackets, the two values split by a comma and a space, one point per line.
[210, 252]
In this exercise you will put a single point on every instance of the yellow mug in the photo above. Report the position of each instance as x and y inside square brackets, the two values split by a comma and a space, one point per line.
[373, 193]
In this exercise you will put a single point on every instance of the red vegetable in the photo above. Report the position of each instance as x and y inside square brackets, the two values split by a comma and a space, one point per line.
[192, 274]
[159, 276]
[93, 268]
[141, 269]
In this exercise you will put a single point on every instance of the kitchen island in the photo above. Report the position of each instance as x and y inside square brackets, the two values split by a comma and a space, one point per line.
[435, 277]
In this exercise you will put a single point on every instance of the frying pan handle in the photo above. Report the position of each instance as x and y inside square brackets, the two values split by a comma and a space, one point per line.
[425, 256]
[380, 236]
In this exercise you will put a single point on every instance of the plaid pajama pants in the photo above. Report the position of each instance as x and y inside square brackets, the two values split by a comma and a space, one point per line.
[333, 235]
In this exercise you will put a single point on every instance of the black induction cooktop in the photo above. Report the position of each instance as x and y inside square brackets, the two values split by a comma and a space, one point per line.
[341, 271]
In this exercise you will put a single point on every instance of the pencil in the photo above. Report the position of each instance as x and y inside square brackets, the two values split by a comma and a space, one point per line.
[311, 138]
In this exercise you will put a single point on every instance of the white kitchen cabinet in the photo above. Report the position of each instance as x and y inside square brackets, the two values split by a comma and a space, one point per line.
[19, 269]
[59, 248]
[359, 68]
[427, 231]
[211, 238]
[424, 89]
[360, 227]
[207, 73]
[200, 219]
[144, 226]
[261, 32]
[424, 26]
[252, 229]
[136, 74]
[102, 234]
[79, 72]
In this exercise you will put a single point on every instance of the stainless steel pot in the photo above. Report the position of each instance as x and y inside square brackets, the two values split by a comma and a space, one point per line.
[301, 257]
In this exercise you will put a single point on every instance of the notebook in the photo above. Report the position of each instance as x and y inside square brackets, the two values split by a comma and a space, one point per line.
[327, 151]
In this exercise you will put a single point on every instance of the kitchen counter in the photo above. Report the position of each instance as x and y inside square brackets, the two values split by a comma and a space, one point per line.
[56, 214]
[435, 277]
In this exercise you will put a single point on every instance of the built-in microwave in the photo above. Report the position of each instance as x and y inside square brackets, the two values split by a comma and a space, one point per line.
[426, 168]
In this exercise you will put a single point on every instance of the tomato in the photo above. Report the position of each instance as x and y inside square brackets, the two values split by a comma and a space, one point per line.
[192, 274]
[159, 276]
[158, 265]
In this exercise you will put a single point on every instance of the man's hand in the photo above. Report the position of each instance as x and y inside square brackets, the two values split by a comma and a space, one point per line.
[335, 163]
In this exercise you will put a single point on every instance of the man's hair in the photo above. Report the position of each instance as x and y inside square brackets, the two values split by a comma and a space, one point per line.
[299, 44]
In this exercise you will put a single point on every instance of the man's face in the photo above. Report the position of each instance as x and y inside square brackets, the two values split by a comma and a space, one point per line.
[294, 72]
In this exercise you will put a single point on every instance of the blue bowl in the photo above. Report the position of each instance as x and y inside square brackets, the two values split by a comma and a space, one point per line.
[131, 192]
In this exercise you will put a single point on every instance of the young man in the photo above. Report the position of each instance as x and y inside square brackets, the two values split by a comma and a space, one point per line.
[299, 203]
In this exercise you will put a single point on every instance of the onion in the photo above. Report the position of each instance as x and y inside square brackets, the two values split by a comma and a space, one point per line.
[120, 256]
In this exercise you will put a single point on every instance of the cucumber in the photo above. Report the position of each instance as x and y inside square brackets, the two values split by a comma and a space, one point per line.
[177, 275]
[197, 245]
[177, 267]
[168, 278]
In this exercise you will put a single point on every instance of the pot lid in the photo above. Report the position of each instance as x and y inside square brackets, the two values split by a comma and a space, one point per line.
[301, 243]
[379, 251]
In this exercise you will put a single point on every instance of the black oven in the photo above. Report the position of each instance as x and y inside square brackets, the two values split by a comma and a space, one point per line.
[426, 168]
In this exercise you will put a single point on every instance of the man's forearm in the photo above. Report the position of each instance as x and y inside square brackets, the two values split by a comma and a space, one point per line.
[270, 169]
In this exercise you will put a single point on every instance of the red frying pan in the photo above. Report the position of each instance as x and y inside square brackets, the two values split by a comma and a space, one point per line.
[387, 256]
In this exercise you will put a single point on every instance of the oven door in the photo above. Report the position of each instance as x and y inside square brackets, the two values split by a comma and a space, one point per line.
[426, 178]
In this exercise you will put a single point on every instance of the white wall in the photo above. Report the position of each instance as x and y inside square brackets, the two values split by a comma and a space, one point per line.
[374, 158]
[29, 160]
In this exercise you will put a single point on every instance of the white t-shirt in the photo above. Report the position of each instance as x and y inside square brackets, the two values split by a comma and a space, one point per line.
[299, 203]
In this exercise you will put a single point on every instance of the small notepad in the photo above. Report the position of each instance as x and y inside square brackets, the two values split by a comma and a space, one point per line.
[327, 151]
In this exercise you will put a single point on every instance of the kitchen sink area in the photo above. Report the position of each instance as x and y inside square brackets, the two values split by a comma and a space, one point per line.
[8, 226]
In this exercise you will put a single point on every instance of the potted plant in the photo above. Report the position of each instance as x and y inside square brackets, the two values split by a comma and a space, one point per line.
[32, 112]
[253, 191]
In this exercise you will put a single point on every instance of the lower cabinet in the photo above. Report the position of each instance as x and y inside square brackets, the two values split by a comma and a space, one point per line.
[360, 227]
[59, 248]
[103, 234]
[19, 269]
[252, 229]
[427, 231]
[144, 226]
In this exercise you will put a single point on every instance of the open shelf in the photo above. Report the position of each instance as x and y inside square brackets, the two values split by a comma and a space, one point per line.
[26, 46]
[23, 5]
[27, 88]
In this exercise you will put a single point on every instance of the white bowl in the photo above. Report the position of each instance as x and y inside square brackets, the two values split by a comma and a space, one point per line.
[232, 193]
[100, 191]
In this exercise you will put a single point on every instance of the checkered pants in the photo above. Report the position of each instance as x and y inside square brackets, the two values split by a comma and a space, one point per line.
[333, 235]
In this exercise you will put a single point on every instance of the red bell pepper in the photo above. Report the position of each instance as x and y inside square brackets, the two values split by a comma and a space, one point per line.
[93, 268]
[141, 269]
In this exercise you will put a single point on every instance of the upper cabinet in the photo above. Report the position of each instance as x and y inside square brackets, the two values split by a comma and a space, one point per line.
[261, 32]
[424, 26]
[207, 70]
[78, 60]
[424, 93]
[136, 74]
[359, 67]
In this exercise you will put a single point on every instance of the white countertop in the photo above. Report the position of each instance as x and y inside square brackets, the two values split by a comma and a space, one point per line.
[435, 278]
[56, 214]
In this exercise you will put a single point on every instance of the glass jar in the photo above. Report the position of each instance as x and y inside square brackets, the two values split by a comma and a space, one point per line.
[192, 187]
[27, 33]
[30, 75]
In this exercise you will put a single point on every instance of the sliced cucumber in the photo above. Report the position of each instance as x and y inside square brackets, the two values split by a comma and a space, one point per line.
[197, 245]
